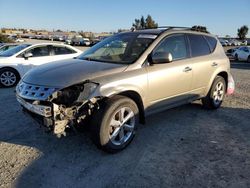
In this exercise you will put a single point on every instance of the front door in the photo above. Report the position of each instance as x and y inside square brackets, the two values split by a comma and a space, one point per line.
[170, 82]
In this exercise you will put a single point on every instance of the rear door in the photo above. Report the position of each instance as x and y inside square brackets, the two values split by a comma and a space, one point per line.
[62, 52]
[203, 63]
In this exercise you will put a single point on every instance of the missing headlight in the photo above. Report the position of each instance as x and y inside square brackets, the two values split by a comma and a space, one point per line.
[68, 95]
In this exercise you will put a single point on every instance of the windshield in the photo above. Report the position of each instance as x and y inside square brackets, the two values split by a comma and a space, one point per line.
[123, 48]
[14, 50]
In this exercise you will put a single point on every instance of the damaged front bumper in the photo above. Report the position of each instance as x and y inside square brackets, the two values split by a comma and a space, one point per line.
[53, 117]
[57, 109]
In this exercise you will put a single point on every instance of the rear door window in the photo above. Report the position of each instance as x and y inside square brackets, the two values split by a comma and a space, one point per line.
[58, 50]
[198, 45]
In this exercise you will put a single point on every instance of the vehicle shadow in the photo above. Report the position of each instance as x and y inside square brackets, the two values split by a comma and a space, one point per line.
[184, 146]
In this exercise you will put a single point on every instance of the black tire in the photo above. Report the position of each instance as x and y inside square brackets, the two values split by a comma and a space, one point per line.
[248, 59]
[102, 130]
[210, 101]
[236, 57]
[13, 75]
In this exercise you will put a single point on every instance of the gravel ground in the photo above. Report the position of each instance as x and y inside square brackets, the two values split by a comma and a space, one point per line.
[186, 146]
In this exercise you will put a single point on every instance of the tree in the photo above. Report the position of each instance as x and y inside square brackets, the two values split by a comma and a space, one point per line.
[137, 24]
[144, 24]
[150, 23]
[200, 28]
[242, 32]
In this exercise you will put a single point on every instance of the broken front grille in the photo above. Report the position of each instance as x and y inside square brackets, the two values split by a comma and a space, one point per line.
[34, 92]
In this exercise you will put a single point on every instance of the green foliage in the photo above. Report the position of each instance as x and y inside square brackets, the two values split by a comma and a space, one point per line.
[242, 32]
[143, 23]
[150, 23]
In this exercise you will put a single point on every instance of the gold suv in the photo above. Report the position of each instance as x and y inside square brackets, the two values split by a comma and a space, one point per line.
[113, 85]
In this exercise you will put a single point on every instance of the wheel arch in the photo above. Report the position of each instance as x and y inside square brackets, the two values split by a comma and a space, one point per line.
[138, 100]
[224, 75]
[2, 68]
[7, 67]
[221, 73]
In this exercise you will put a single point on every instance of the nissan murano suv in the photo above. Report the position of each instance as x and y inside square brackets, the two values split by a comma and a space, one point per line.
[114, 85]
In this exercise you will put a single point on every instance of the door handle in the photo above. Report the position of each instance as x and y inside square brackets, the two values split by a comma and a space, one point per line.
[187, 69]
[214, 64]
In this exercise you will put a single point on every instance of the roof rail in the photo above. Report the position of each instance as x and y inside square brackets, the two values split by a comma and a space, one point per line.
[181, 27]
[194, 28]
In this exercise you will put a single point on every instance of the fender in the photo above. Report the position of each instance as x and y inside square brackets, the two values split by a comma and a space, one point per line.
[220, 70]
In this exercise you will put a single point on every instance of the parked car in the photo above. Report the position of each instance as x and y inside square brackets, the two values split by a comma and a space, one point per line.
[223, 42]
[228, 43]
[15, 62]
[6, 46]
[116, 83]
[242, 54]
[230, 52]
[19, 40]
[244, 42]
[76, 40]
[84, 42]
[235, 42]
[94, 41]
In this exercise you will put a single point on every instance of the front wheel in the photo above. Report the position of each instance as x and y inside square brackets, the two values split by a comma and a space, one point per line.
[115, 124]
[8, 77]
[216, 94]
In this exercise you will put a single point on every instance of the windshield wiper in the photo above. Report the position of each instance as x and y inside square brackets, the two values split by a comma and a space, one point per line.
[89, 59]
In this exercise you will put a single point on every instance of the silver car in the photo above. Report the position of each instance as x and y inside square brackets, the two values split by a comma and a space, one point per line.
[115, 84]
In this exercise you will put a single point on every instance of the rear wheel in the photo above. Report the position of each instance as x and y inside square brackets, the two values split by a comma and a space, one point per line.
[9, 77]
[114, 126]
[215, 96]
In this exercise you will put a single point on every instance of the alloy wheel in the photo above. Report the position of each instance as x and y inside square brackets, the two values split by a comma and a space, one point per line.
[122, 125]
[8, 78]
[218, 93]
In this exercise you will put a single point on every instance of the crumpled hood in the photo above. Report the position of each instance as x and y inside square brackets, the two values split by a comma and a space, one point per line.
[68, 72]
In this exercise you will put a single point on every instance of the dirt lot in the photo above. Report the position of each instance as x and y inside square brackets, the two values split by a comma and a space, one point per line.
[183, 147]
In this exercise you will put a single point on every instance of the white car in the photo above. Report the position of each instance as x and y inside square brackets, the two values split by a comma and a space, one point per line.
[242, 54]
[19, 40]
[15, 62]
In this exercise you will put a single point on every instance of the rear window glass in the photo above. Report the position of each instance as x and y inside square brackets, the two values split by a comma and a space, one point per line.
[212, 42]
[198, 45]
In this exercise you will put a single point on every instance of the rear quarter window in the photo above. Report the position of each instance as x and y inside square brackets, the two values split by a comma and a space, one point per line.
[212, 42]
[198, 45]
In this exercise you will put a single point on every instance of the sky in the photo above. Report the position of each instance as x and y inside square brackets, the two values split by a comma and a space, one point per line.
[221, 17]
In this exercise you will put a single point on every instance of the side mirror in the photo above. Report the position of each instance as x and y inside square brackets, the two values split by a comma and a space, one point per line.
[27, 55]
[160, 57]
